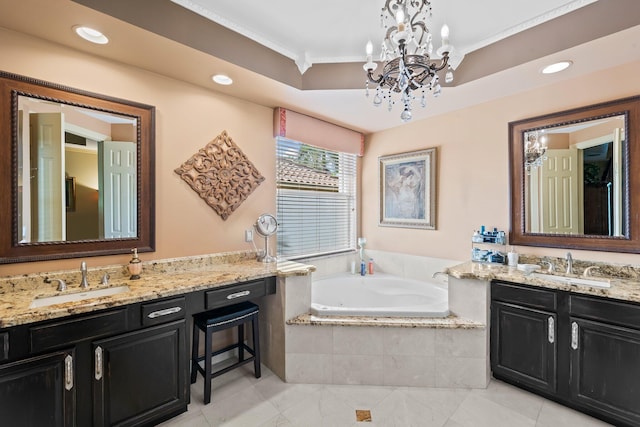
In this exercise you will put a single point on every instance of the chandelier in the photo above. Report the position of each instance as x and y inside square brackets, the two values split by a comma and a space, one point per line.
[407, 49]
[535, 147]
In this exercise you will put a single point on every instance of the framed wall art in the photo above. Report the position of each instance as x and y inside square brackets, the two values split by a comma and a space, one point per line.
[408, 189]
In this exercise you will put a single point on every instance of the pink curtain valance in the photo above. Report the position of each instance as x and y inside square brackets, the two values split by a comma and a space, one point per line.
[316, 132]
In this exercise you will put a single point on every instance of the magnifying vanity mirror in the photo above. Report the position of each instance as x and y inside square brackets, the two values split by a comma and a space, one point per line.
[572, 180]
[76, 171]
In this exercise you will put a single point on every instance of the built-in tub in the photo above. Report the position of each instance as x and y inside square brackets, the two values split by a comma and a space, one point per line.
[380, 295]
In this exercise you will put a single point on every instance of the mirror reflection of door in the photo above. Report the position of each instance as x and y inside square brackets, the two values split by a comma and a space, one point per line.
[579, 188]
[61, 143]
[117, 174]
[554, 191]
[601, 160]
[48, 207]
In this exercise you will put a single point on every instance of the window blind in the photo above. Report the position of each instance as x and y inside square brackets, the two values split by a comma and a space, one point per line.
[316, 200]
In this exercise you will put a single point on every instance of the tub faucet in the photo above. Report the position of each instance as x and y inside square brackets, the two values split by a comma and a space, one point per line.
[84, 283]
[438, 273]
[361, 242]
[569, 259]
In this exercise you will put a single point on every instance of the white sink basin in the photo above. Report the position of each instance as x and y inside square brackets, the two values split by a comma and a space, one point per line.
[583, 281]
[77, 296]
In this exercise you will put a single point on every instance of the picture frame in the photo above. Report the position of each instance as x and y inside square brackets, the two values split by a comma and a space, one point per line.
[408, 189]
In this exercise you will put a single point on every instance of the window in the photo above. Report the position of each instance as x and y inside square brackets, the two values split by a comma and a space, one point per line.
[316, 200]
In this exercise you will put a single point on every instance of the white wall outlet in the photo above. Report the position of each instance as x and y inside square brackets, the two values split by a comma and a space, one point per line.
[248, 235]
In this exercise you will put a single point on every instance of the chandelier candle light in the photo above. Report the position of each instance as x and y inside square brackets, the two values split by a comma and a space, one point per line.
[407, 49]
[535, 147]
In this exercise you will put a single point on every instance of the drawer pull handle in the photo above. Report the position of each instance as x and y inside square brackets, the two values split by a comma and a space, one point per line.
[238, 294]
[68, 372]
[574, 336]
[164, 312]
[98, 362]
[551, 333]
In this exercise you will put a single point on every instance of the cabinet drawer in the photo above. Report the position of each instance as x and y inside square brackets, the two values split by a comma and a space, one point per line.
[605, 310]
[523, 295]
[234, 294]
[157, 312]
[53, 335]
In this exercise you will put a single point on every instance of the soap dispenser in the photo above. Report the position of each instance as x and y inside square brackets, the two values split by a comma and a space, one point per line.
[135, 265]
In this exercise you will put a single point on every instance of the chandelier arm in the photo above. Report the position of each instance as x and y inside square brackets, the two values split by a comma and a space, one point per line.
[372, 80]
[423, 27]
[387, 7]
[445, 62]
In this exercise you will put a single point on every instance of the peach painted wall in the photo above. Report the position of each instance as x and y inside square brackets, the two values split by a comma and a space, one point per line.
[473, 171]
[187, 118]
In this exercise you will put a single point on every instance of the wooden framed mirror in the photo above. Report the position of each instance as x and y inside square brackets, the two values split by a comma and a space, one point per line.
[76, 170]
[573, 179]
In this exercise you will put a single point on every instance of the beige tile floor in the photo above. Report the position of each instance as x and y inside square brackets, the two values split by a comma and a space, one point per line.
[241, 400]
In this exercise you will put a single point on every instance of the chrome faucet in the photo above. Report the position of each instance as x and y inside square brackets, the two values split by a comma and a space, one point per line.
[550, 267]
[83, 269]
[62, 286]
[587, 271]
[569, 259]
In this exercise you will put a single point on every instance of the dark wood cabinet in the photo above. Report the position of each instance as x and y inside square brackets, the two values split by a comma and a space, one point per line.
[39, 391]
[524, 346]
[140, 376]
[125, 366]
[593, 363]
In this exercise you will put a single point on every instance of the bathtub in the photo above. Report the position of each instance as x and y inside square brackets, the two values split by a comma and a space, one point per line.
[381, 295]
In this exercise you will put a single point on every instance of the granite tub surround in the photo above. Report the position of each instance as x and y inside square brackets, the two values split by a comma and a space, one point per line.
[396, 351]
[625, 281]
[449, 322]
[372, 355]
[292, 268]
[160, 278]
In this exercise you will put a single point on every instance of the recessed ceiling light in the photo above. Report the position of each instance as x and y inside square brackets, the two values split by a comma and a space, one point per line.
[221, 79]
[557, 67]
[89, 34]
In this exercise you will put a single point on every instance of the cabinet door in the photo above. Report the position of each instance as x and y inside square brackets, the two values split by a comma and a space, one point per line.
[605, 369]
[523, 345]
[39, 391]
[140, 377]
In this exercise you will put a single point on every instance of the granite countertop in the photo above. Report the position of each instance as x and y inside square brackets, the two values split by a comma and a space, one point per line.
[622, 288]
[159, 279]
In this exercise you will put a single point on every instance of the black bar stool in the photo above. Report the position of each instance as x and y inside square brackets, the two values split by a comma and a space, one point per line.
[219, 320]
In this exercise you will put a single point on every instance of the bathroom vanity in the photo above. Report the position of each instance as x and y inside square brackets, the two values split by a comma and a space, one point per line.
[118, 360]
[581, 350]
[575, 344]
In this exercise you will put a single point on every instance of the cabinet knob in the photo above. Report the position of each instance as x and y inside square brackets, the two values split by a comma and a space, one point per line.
[164, 312]
[551, 330]
[238, 294]
[98, 363]
[68, 372]
[574, 335]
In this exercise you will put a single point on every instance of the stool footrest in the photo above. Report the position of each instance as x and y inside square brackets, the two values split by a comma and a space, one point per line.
[218, 320]
[228, 368]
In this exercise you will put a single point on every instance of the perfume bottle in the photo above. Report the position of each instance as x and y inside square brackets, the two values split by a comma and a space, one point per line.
[135, 265]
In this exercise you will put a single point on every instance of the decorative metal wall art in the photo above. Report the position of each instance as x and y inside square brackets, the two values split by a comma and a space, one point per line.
[221, 174]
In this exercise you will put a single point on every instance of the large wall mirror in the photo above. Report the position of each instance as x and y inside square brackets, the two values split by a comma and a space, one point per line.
[572, 178]
[77, 172]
